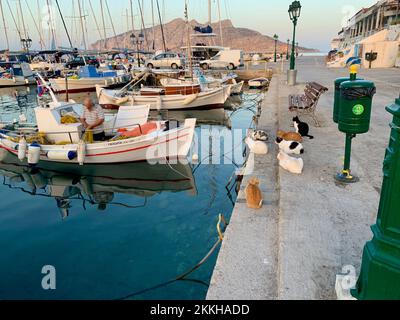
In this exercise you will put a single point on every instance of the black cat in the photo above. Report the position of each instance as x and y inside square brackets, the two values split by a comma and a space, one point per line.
[302, 128]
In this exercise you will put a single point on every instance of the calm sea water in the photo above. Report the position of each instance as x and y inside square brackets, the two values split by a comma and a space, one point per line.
[111, 231]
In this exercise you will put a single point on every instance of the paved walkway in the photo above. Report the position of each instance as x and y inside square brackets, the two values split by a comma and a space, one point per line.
[310, 226]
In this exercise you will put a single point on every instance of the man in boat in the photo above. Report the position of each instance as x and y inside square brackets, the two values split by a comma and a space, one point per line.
[93, 119]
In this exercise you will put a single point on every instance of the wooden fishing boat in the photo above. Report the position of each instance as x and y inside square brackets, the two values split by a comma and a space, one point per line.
[210, 99]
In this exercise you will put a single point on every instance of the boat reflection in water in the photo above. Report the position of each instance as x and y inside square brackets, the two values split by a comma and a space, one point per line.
[96, 185]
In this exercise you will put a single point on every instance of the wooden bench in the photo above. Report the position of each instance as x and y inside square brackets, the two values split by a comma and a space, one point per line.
[306, 104]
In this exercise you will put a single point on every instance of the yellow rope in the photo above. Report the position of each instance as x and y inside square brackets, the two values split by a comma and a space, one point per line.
[220, 220]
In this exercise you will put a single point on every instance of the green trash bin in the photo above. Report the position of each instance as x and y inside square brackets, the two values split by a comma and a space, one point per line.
[355, 106]
[336, 104]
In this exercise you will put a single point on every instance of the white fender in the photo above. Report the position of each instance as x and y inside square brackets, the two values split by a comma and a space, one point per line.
[190, 99]
[34, 153]
[22, 148]
[81, 152]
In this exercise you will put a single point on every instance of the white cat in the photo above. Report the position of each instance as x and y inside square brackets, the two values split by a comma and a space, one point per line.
[259, 135]
[293, 165]
[257, 147]
[290, 147]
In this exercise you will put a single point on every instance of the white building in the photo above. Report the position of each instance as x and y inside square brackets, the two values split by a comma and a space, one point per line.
[375, 29]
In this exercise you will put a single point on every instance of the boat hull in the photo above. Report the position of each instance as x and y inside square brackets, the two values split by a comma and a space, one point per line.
[6, 83]
[170, 146]
[212, 99]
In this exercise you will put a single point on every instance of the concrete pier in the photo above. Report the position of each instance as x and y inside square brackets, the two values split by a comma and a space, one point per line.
[310, 227]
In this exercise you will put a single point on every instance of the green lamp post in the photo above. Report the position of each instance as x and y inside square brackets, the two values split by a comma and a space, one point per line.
[287, 49]
[276, 37]
[294, 14]
[380, 271]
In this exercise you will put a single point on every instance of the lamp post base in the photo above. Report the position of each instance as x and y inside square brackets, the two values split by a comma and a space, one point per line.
[346, 177]
[292, 77]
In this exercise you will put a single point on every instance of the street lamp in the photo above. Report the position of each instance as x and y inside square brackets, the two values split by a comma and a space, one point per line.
[138, 41]
[26, 44]
[287, 51]
[276, 37]
[294, 14]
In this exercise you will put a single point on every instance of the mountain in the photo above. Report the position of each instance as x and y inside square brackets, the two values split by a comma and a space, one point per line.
[176, 37]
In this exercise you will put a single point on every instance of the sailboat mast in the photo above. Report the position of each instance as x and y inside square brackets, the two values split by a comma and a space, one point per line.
[65, 26]
[162, 27]
[111, 20]
[209, 12]
[40, 25]
[5, 25]
[36, 25]
[82, 24]
[189, 46]
[154, 29]
[104, 24]
[51, 25]
[96, 21]
[15, 21]
[127, 29]
[22, 19]
[220, 22]
[143, 25]
[132, 17]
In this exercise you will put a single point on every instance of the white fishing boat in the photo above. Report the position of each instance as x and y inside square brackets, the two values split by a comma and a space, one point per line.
[87, 80]
[13, 74]
[258, 83]
[130, 138]
[209, 82]
[159, 99]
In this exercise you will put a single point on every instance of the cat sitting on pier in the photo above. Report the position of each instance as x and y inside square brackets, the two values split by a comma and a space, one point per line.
[290, 147]
[290, 136]
[293, 165]
[257, 147]
[253, 194]
[259, 135]
[302, 128]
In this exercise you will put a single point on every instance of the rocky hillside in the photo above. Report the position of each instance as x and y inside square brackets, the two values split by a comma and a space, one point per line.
[175, 34]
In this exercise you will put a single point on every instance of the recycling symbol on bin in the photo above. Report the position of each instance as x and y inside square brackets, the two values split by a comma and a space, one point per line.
[358, 109]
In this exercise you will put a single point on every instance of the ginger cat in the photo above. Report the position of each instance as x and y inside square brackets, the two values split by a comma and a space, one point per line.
[290, 136]
[253, 194]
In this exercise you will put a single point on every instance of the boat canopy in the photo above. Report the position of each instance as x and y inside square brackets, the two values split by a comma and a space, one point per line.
[90, 71]
[205, 30]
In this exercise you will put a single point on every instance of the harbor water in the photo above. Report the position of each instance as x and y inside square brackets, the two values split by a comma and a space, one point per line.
[114, 232]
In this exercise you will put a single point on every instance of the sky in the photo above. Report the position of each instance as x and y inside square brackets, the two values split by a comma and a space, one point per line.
[320, 20]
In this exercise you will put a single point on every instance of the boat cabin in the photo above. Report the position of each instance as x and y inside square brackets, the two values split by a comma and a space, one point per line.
[49, 121]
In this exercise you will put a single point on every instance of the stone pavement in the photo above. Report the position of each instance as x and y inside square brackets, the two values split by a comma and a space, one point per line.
[310, 227]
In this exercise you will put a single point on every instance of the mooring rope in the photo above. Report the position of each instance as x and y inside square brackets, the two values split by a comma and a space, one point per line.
[183, 277]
